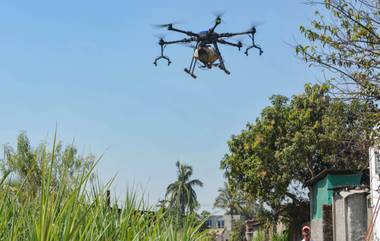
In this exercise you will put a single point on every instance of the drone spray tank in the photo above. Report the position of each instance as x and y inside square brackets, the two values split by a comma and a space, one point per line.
[207, 55]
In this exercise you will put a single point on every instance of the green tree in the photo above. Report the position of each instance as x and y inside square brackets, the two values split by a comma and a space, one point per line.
[292, 141]
[24, 164]
[181, 194]
[344, 38]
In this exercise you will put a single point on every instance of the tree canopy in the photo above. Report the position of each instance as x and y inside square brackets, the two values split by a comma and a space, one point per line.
[292, 141]
[25, 163]
[344, 38]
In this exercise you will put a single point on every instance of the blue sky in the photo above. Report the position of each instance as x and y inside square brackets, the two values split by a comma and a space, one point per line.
[87, 66]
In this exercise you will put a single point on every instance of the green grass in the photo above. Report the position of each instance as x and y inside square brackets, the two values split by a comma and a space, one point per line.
[63, 212]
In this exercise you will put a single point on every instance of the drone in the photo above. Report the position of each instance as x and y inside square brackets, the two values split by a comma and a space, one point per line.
[205, 46]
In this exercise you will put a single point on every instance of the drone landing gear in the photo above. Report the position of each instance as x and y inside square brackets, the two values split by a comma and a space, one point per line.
[222, 67]
[221, 61]
[190, 73]
[253, 46]
[162, 56]
[191, 69]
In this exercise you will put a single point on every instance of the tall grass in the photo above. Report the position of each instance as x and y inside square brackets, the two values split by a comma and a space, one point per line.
[63, 212]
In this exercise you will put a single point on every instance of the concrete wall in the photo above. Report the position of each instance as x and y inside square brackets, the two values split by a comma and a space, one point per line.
[338, 214]
[316, 226]
[375, 184]
[356, 216]
[228, 223]
[229, 219]
[350, 215]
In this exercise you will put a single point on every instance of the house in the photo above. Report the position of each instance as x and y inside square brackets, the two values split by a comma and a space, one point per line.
[215, 221]
[223, 225]
[321, 198]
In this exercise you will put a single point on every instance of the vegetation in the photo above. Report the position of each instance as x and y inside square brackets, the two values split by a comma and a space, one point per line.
[345, 40]
[281, 237]
[291, 142]
[61, 209]
[238, 231]
[180, 194]
[24, 164]
[260, 236]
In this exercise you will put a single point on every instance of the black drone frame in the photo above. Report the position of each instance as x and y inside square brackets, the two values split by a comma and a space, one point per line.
[210, 37]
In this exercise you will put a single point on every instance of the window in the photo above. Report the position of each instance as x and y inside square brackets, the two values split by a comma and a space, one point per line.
[221, 224]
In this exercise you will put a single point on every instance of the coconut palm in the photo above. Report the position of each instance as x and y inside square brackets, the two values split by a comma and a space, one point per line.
[228, 200]
[181, 194]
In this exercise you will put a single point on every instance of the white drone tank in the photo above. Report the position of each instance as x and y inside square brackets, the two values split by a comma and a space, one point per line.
[206, 55]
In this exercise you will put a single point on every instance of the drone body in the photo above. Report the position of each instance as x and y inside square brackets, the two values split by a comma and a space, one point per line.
[205, 46]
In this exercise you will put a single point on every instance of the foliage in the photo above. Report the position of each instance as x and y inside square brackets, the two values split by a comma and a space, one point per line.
[236, 203]
[345, 39]
[281, 237]
[292, 141]
[24, 164]
[181, 194]
[82, 213]
[260, 236]
[238, 231]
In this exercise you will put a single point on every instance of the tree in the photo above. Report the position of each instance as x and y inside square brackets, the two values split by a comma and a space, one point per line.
[292, 141]
[345, 40]
[181, 194]
[228, 200]
[25, 164]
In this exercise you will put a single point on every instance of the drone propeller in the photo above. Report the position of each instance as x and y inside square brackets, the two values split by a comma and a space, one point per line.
[166, 25]
[218, 16]
[160, 36]
[254, 25]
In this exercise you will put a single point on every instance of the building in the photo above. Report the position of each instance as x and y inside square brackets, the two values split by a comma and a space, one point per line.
[374, 164]
[321, 199]
[215, 221]
[350, 213]
[223, 225]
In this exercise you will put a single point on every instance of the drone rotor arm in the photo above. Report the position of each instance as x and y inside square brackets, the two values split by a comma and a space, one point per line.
[237, 45]
[189, 33]
[185, 40]
[228, 35]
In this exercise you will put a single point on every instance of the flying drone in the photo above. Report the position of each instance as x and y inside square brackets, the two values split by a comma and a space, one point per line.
[205, 46]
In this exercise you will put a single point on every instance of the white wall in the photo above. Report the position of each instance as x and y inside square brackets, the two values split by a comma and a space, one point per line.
[375, 184]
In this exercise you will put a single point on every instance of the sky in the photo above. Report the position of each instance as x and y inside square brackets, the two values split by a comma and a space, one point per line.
[86, 67]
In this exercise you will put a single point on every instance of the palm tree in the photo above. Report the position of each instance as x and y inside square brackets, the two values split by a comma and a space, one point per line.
[228, 200]
[181, 194]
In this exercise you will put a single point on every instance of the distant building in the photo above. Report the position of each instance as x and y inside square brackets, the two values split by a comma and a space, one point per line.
[215, 221]
[223, 225]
